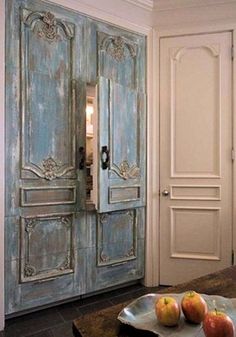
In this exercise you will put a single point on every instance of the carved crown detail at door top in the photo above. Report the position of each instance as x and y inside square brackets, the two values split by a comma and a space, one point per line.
[119, 47]
[47, 26]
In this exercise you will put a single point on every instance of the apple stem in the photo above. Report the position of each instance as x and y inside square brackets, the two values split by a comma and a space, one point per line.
[165, 300]
[215, 307]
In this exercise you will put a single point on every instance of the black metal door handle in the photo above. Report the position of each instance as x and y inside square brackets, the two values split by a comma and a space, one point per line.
[82, 155]
[105, 157]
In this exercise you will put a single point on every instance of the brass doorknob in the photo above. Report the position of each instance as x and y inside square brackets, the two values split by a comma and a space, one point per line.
[165, 193]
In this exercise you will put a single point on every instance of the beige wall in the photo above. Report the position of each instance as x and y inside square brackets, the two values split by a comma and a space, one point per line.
[120, 13]
[198, 14]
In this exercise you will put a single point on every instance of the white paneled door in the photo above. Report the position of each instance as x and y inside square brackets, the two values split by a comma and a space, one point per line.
[195, 155]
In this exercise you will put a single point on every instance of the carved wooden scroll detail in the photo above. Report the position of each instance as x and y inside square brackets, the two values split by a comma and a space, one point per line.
[125, 171]
[29, 270]
[51, 169]
[46, 25]
[67, 262]
[104, 257]
[117, 47]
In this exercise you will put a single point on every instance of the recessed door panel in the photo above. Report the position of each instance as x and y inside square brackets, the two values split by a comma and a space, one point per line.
[122, 113]
[121, 149]
[195, 232]
[121, 52]
[117, 237]
[117, 249]
[46, 246]
[48, 96]
[196, 104]
[195, 192]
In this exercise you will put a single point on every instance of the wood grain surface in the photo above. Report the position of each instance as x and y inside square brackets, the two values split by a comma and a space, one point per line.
[104, 323]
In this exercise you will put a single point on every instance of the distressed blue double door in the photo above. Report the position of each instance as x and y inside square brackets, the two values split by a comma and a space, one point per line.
[54, 248]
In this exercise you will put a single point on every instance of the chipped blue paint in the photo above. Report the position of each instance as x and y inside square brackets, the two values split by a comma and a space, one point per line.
[52, 247]
[122, 128]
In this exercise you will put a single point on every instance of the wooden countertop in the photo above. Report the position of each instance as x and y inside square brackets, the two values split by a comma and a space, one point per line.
[104, 323]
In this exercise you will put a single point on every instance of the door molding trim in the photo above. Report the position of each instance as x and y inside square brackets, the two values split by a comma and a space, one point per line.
[2, 155]
[234, 145]
[203, 29]
[152, 210]
[147, 4]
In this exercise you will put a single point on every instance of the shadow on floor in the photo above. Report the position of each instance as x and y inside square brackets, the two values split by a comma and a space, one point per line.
[57, 321]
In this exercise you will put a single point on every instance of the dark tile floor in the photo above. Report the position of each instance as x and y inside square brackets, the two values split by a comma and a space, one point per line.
[57, 321]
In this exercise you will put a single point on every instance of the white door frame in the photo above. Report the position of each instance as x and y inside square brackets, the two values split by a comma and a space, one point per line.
[2, 156]
[172, 32]
[152, 209]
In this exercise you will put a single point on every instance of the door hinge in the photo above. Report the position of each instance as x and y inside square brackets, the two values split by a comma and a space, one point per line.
[232, 154]
[232, 52]
[232, 257]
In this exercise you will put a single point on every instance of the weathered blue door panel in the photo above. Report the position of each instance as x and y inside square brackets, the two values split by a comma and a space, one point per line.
[45, 102]
[120, 55]
[121, 118]
[116, 237]
[55, 249]
[121, 115]
[117, 59]
[26, 296]
[52, 262]
[46, 246]
[100, 278]
[117, 251]
[46, 234]
[48, 82]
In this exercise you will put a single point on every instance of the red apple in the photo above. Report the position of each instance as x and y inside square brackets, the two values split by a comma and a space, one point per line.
[194, 307]
[167, 311]
[218, 324]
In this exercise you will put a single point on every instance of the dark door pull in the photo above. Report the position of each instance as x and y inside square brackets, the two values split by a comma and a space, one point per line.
[82, 156]
[105, 157]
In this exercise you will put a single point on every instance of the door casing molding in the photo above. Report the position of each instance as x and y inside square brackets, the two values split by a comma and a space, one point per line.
[2, 156]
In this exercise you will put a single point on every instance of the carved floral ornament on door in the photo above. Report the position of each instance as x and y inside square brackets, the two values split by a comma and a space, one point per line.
[125, 171]
[47, 25]
[115, 46]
